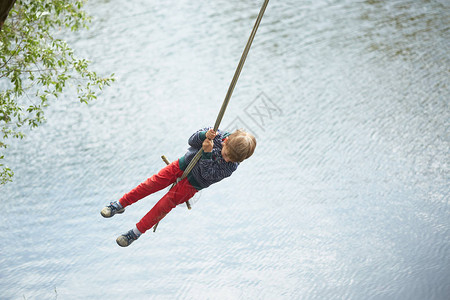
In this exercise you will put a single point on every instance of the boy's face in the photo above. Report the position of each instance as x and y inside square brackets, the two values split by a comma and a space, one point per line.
[225, 151]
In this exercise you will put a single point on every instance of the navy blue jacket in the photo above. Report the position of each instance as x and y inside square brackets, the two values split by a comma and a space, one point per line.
[211, 167]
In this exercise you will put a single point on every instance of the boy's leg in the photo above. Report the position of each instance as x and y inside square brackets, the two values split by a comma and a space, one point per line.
[180, 193]
[162, 179]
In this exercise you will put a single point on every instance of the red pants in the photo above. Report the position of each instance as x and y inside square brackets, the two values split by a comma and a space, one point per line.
[180, 193]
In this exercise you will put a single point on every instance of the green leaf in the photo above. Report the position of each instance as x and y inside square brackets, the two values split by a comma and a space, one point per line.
[34, 65]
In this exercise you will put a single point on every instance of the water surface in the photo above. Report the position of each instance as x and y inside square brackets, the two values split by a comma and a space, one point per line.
[346, 196]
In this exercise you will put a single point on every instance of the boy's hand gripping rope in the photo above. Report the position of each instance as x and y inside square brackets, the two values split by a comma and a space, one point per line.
[227, 96]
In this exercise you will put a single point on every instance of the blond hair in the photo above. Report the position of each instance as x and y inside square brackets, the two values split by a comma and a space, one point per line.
[240, 145]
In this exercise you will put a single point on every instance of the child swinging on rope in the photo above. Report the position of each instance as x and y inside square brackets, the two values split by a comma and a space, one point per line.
[222, 153]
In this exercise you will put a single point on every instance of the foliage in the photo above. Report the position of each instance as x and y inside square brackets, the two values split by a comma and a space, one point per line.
[36, 66]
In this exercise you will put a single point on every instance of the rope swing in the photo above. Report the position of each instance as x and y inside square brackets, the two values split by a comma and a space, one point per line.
[226, 100]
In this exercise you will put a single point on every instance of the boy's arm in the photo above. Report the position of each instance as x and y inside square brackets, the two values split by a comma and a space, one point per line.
[210, 169]
[197, 138]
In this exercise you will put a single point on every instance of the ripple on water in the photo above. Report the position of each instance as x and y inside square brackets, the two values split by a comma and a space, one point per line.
[346, 196]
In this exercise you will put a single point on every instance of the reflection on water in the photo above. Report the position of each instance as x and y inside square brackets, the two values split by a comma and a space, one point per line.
[346, 196]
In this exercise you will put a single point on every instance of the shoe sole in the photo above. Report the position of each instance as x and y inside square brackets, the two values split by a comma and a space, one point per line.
[106, 212]
[122, 241]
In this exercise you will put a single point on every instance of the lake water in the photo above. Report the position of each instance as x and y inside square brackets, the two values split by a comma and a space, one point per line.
[346, 196]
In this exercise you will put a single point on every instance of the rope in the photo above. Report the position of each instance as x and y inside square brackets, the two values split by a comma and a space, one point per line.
[198, 155]
[230, 88]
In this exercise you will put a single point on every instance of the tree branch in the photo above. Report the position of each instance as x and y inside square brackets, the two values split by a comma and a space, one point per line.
[5, 7]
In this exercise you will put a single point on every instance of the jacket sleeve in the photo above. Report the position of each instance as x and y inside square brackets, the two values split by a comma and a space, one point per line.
[196, 140]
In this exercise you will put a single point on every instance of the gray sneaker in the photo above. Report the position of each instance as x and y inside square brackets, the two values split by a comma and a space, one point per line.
[126, 239]
[111, 210]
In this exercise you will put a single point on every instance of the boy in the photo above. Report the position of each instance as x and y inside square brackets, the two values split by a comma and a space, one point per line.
[222, 153]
